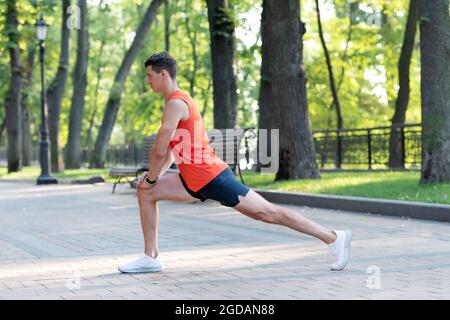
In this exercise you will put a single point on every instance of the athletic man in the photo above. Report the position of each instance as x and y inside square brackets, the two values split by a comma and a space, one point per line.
[207, 178]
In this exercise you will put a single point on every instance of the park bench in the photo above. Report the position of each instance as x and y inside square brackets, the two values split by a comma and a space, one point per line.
[126, 173]
[225, 142]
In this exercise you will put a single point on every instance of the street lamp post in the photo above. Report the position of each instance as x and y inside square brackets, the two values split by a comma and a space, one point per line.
[45, 177]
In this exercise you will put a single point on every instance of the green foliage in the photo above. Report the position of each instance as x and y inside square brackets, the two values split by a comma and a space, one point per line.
[366, 74]
[370, 76]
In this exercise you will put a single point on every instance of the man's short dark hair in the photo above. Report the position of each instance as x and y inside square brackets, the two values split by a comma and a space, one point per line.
[162, 60]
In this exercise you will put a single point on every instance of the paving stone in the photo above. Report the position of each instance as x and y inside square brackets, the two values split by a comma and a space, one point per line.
[66, 241]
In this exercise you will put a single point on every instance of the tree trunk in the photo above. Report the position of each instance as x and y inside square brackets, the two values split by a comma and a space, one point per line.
[97, 86]
[26, 87]
[342, 72]
[389, 56]
[13, 103]
[340, 81]
[396, 159]
[167, 14]
[265, 99]
[334, 93]
[206, 95]
[221, 29]
[435, 90]
[55, 94]
[100, 66]
[2, 128]
[113, 103]
[193, 41]
[288, 87]
[79, 91]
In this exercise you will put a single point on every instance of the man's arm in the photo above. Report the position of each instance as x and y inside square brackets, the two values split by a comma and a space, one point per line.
[174, 111]
[169, 159]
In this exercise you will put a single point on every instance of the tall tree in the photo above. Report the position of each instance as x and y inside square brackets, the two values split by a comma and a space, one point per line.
[25, 109]
[265, 99]
[281, 21]
[206, 97]
[2, 128]
[334, 90]
[167, 14]
[99, 62]
[13, 103]
[192, 36]
[99, 69]
[55, 94]
[435, 90]
[113, 103]
[79, 90]
[401, 104]
[332, 104]
[389, 41]
[221, 27]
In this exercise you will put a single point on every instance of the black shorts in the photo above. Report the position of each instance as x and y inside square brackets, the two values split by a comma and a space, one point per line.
[224, 188]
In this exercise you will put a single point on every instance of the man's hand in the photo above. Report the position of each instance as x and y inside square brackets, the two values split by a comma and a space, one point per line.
[141, 183]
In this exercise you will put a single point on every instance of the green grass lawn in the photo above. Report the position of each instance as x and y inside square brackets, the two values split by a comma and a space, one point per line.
[31, 173]
[383, 185]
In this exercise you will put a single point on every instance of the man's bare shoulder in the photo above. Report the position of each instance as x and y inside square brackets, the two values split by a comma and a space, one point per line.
[178, 106]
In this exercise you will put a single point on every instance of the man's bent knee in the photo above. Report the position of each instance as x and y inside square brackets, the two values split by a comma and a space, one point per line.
[146, 194]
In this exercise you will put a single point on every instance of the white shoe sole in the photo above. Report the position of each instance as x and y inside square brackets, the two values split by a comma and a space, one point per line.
[144, 270]
[348, 240]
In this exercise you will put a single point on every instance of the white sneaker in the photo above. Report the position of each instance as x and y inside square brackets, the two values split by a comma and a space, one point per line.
[142, 264]
[341, 249]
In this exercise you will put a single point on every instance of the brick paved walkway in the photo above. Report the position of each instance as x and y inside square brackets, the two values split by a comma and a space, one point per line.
[65, 242]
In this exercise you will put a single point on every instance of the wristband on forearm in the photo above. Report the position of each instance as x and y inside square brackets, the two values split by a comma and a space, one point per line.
[151, 181]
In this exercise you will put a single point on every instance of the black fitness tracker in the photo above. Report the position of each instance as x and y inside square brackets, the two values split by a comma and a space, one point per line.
[151, 181]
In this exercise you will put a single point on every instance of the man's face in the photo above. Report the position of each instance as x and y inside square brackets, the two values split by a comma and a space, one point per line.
[154, 79]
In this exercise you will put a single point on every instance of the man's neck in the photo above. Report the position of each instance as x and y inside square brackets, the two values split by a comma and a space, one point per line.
[170, 90]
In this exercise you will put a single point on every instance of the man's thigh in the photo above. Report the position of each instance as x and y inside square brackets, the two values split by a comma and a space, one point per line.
[253, 205]
[168, 187]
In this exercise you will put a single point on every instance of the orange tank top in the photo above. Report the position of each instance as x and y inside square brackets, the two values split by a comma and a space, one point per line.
[195, 158]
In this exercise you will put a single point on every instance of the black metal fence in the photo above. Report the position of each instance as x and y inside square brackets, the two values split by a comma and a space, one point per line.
[124, 155]
[367, 148]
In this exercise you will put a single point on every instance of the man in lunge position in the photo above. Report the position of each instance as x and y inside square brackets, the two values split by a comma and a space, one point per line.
[203, 175]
